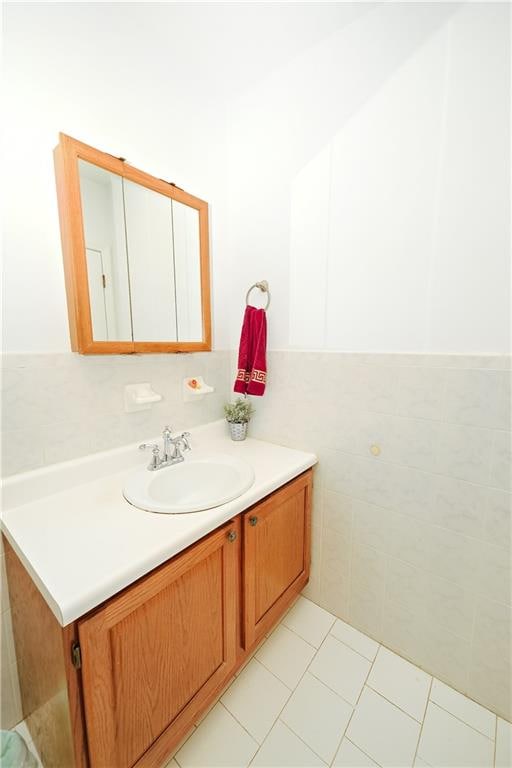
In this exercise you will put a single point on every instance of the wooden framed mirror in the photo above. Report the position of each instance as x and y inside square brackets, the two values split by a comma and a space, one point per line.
[136, 257]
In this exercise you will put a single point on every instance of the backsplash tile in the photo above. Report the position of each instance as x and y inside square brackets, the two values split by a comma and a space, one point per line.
[501, 463]
[59, 407]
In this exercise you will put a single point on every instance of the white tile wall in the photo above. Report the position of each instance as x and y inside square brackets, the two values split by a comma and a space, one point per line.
[57, 407]
[411, 546]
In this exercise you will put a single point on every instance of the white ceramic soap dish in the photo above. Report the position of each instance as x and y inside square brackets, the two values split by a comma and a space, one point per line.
[139, 397]
[194, 388]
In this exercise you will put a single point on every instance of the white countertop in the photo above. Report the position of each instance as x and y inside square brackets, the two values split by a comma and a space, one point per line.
[82, 542]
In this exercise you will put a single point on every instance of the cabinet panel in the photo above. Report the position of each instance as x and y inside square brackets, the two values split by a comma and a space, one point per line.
[276, 555]
[152, 655]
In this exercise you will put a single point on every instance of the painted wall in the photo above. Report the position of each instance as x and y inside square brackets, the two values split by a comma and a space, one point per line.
[156, 91]
[124, 99]
[369, 183]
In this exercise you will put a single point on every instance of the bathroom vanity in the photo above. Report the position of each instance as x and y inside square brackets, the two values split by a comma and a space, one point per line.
[119, 679]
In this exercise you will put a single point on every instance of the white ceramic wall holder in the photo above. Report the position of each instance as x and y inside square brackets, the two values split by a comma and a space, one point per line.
[139, 397]
[195, 388]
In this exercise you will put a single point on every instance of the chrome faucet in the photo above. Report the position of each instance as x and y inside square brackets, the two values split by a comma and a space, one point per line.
[172, 450]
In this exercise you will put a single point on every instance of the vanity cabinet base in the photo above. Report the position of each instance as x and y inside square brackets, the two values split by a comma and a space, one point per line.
[153, 658]
[49, 683]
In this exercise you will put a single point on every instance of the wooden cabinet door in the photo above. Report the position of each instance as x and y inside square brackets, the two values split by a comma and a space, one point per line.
[276, 555]
[153, 656]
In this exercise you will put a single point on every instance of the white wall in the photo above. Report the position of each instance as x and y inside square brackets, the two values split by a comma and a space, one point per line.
[122, 99]
[369, 183]
[360, 165]
[155, 91]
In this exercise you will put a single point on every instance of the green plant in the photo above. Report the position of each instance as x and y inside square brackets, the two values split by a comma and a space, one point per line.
[239, 412]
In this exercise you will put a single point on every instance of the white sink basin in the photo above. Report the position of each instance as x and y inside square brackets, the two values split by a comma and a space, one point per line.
[196, 484]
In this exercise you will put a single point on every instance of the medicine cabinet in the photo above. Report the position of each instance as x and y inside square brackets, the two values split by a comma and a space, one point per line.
[135, 252]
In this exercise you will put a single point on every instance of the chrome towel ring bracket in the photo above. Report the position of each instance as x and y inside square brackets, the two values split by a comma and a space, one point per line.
[263, 286]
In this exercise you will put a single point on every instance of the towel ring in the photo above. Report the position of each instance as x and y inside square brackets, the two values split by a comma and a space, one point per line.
[263, 286]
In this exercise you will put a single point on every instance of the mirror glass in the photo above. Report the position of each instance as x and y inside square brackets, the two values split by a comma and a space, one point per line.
[105, 248]
[143, 260]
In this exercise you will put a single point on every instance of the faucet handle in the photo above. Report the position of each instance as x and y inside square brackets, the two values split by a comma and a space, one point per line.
[167, 432]
[154, 447]
[155, 459]
[185, 438]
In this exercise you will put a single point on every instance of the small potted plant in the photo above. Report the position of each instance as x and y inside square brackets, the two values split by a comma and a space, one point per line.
[238, 415]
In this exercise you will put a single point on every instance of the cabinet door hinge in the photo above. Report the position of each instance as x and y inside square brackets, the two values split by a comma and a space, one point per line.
[76, 655]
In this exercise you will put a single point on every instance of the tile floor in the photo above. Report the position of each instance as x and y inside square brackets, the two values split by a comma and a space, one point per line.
[319, 693]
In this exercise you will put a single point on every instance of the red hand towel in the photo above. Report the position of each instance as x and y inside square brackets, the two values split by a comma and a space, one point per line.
[252, 368]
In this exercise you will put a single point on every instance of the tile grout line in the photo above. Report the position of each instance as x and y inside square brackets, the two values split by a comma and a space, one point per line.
[397, 706]
[440, 706]
[353, 711]
[409, 660]
[288, 699]
[433, 473]
[251, 658]
[495, 742]
[468, 725]
[361, 750]
[288, 728]
[173, 756]
[370, 661]
[379, 693]
[300, 636]
[245, 729]
[354, 707]
[423, 721]
[418, 518]
[328, 634]
[277, 678]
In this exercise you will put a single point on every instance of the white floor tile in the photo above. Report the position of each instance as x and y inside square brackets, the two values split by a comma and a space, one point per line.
[446, 741]
[309, 621]
[350, 756]
[171, 764]
[318, 716]
[219, 742]
[355, 639]
[383, 731]
[419, 763]
[283, 749]
[341, 668]
[503, 744]
[471, 713]
[402, 683]
[286, 655]
[256, 698]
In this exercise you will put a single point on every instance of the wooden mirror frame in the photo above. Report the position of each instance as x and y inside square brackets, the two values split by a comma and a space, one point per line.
[67, 154]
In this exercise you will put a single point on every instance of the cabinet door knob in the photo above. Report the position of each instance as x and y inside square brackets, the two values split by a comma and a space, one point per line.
[253, 520]
[232, 536]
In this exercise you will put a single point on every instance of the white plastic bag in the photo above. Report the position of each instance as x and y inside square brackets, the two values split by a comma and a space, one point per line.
[14, 753]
